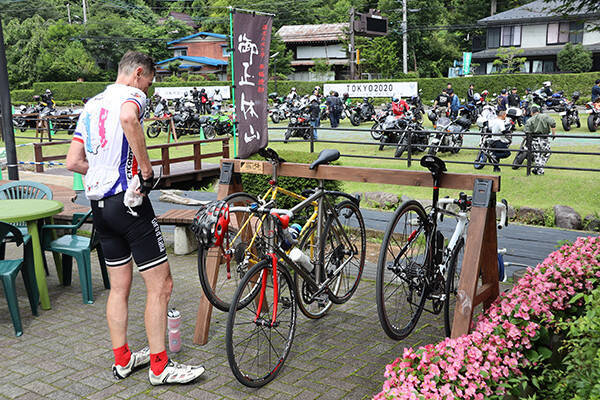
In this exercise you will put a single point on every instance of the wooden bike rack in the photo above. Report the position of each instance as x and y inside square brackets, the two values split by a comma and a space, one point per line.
[480, 249]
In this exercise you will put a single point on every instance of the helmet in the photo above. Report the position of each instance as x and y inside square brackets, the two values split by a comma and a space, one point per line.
[414, 99]
[210, 223]
[365, 99]
[576, 95]
[528, 90]
[503, 91]
[476, 97]
[346, 95]
[485, 92]
[312, 97]
[293, 89]
[547, 84]
[48, 91]
[395, 99]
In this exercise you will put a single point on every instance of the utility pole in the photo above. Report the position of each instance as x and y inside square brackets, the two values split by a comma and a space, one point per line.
[84, 13]
[493, 7]
[69, 12]
[404, 40]
[352, 66]
[7, 126]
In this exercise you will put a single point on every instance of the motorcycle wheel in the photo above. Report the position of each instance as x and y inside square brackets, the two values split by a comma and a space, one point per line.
[355, 119]
[578, 122]
[209, 132]
[383, 139]
[288, 135]
[565, 123]
[275, 118]
[375, 132]
[152, 130]
[307, 133]
[401, 148]
[591, 124]
[521, 156]
[479, 162]
[458, 142]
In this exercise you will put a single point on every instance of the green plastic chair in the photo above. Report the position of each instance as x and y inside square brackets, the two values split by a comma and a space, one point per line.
[78, 247]
[9, 270]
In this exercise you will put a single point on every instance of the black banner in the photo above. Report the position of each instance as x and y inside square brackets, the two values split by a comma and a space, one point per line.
[251, 43]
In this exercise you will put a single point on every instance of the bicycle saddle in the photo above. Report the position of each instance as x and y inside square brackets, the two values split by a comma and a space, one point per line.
[270, 155]
[434, 164]
[325, 157]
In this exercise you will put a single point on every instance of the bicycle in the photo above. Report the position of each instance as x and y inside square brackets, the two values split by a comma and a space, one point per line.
[242, 247]
[415, 264]
[262, 319]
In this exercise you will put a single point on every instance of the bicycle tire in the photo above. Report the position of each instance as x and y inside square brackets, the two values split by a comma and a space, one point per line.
[221, 295]
[417, 256]
[332, 250]
[452, 279]
[244, 332]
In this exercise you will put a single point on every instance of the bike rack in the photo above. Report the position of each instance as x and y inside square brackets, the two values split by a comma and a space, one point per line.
[480, 250]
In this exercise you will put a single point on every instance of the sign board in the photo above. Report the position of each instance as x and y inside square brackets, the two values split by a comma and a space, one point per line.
[178, 92]
[466, 67]
[370, 24]
[374, 89]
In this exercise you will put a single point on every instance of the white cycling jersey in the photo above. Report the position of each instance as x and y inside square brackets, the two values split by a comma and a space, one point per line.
[112, 164]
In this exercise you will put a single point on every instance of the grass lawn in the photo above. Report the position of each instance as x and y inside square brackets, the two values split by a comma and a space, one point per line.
[574, 188]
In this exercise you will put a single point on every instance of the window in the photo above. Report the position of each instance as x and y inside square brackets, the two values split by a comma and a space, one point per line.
[180, 53]
[225, 51]
[548, 66]
[493, 38]
[558, 33]
[536, 67]
[576, 32]
[511, 36]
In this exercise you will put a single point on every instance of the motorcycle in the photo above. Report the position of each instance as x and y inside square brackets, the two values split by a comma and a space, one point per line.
[379, 118]
[185, 119]
[362, 112]
[392, 129]
[299, 125]
[568, 112]
[469, 111]
[161, 110]
[514, 115]
[280, 109]
[218, 124]
[593, 120]
[449, 136]
[487, 153]
[436, 113]
[413, 134]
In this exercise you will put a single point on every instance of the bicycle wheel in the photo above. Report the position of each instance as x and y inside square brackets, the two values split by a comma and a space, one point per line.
[452, 278]
[400, 287]
[342, 250]
[232, 257]
[311, 307]
[256, 348]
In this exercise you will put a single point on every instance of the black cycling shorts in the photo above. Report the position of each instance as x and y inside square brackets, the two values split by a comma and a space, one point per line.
[123, 235]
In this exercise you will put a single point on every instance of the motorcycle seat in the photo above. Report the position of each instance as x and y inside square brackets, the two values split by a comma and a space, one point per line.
[433, 164]
[325, 157]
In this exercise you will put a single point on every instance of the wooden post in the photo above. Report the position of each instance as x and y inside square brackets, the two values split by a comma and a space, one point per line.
[38, 157]
[480, 259]
[227, 184]
[172, 127]
[226, 148]
[197, 154]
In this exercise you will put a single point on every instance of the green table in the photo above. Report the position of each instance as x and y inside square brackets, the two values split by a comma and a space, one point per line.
[30, 211]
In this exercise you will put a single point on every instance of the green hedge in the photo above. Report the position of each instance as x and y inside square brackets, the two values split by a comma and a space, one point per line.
[21, 96]
[258, 184]
[431, 87]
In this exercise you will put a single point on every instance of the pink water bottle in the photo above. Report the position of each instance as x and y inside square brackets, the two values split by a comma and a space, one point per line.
[174, 322]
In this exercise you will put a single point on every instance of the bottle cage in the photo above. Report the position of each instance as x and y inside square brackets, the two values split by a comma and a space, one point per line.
[211, 223]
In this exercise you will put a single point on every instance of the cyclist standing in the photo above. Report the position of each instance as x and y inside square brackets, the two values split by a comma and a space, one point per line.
[108, 146]
[538, 126]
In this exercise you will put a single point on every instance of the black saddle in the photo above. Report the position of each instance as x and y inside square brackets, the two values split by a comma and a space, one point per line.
[434, 164]
[325, 157]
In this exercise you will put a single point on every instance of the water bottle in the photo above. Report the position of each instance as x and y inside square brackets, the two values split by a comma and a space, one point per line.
[299, 257]
[174, 322]
[290, 236]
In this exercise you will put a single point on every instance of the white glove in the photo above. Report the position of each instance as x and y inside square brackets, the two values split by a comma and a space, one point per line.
[133, 199]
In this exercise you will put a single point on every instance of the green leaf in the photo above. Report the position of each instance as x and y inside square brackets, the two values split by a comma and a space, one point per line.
[544, 352]
[575, 298]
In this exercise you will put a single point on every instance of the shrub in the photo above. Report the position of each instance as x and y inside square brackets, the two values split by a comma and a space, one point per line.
[510, 339]
[258, 184]
[21, 95]
[574, 58]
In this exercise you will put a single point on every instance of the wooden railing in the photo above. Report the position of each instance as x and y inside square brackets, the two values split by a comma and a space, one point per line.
[38, 154]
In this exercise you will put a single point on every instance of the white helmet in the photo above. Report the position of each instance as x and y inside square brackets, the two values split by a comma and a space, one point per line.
[312, 97]
[476, 97]
[547, 83]
[293, 89]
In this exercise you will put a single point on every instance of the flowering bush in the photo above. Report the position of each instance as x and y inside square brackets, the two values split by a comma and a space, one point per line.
[510, 336]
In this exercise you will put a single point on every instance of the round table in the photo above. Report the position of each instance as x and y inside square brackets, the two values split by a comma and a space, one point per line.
[30, 211]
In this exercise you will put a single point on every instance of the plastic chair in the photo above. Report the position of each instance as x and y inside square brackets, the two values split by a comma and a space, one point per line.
[78, 247]
[8, 273]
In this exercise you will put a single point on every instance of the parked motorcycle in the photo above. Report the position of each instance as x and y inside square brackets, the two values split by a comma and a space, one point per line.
[392, 129]
[217, 125]
[437, 113]
[299, 125]
[280, 109]
[449, 136]
[185, 119]
[593, 120]
[161, 110]
[487, 153]
[362, 112]
[413, 135]
[469, 111]
[568, 112]
[514, 115]
[379, 118]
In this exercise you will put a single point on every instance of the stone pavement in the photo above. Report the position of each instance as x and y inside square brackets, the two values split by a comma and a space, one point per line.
[65, 353]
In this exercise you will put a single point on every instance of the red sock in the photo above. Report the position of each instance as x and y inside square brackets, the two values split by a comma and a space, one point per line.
[122, 355]
[158, 362]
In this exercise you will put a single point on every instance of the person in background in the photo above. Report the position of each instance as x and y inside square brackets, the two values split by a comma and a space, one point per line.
[596, 91]
[470, 93]
[292, 95]
[442, 100]
[539, 126]
[217, 100]
[108, 147]
[454, 103]
[335, 106]
[513, 98]
[526, 103]
[314, 110]
[317, 92]
[196, 100]
[48, 99]
[204, 103]
[503, 101]
[501, 137]
[399, 106]
[448, 86]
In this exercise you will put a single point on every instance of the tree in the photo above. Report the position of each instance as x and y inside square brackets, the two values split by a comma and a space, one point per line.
[574, 58]
[282, 62]
[508, 60]
[174, 67]
[574, 7]
[380, 55]
[321, 68]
